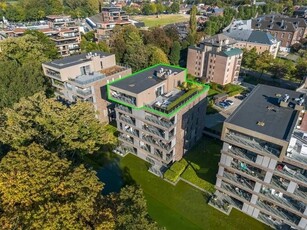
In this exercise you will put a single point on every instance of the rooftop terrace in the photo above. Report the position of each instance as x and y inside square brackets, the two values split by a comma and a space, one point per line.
[263, 112]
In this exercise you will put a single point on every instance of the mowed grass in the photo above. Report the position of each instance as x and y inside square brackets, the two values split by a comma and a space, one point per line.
[181, 206]
[163, 19]
[203, 163]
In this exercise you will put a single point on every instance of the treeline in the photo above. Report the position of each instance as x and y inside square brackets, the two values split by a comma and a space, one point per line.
[31, 10]
[279, 68]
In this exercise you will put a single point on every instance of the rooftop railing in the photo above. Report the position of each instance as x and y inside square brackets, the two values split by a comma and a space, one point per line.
[252, 143]
[88, 78]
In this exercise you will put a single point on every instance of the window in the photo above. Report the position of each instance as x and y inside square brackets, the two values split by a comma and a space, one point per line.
[159, 90]
[289, 36]
[282, 35]
[85, 70]
[101, 65]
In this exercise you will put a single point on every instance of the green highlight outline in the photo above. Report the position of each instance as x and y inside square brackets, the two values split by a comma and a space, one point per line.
[146, 108]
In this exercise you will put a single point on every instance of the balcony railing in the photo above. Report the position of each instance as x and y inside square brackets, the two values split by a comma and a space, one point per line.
[301, 193]
[124, 137]
[127, 119]
[144, 147]
[239, 192]
[160, 122]
[285, 200]
[240, 180]
[156, 142]
[158, 153]
[291, 173]
[250, 170]
[124, 98]
[123, 108]
[252, 143]
[53, 73]
[281, 213]
[84, 92]
[131, 131]
[89, 78]
[269, 221]
[154, 130]
[294, 155]
[243, 153]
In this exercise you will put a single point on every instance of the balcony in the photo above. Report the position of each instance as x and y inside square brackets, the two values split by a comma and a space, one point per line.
[156, 142]
[154, 130]
[243, 153]
[84, 92]
[53, 73]
[125, 98]
[127, 119]
[293, 172]
[146, 148]
[130, 130]
[126, 138]
[280, 183]
[250, 170]
[88, 78]
[252, 143]
[161, 122]
[248, 184]
[283, 199]
[237, 191]
[275, 224]
[158, 153]
[301, 192]
[123, 108]
[280, 212]
[294, 155]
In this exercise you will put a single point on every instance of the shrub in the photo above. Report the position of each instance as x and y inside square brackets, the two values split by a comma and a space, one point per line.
[233, 93]
[181, 99]
[171, 175]
[175, 170]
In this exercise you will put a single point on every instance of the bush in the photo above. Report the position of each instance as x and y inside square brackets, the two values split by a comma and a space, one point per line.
[174, 172]
[171, 175]
[181, 99]
[233, 93]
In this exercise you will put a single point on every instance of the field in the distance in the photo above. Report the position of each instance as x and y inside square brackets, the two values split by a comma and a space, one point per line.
[162, 19]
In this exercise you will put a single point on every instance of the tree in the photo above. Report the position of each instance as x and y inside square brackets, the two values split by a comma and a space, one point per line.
[175, 53]
[40, 190]
[20, 66]
[193, 24]
[263, 62]
[171, 32]
[301, 69]
[67, 130]
[249, 58]
[174, 8]
[156, 55]
[130, 210]
[158, 37]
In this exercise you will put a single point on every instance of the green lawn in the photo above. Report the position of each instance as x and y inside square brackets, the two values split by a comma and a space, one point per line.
[163, 19]
[182, 206]
[203, 163]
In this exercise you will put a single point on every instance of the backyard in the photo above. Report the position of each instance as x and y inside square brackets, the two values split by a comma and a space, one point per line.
[183, 206]
[162, 19]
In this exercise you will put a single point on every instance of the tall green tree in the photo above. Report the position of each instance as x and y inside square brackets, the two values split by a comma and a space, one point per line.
[249, 58]
[69, 131]
[156, 55]
[174, 56]
[264, 61]
[130, 210]
[39, 190]
[193, 24]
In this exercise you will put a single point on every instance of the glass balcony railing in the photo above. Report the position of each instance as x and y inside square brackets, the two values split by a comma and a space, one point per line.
[252, 143]
[275, 224]
[53, 73]
[130, 130]
[284, 199]
[154, 130]
[243, 153]
[158, 153]
[301, 192]
[87, 92]
[126, 138]
[237, 191]
[123, 108]
[146, 148]
[280, 212]
[160, 122]
[294, 155]
[156, 142]
[293, 172]
[127, 119]
[250, 170]
[124, 98]
[239, 180]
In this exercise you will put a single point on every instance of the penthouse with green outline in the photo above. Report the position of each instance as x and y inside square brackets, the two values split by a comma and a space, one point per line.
[160, 114]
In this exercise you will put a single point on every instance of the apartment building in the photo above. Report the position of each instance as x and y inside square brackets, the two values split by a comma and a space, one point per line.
[159, 114]
[263, 166]
[260, 40]
[287, 30]
[215, 59]
[84, 77]
[61, 29]
[104, 22]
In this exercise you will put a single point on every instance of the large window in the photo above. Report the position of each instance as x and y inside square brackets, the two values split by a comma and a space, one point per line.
[159, 91]
[85, 70]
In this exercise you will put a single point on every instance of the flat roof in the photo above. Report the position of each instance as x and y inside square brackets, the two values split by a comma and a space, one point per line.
[262, 105]
[74, 60]
[140, 81]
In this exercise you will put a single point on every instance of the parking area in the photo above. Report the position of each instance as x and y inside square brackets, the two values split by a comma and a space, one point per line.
[226, 111]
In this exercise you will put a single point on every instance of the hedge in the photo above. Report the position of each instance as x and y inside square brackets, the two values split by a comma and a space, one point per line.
[174, 172]
[233, 93]
[181, 99]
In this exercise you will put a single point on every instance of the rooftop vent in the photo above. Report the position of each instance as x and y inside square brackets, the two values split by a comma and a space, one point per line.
[131, 85]
[271, 108]
[286, 97]
[261, 123]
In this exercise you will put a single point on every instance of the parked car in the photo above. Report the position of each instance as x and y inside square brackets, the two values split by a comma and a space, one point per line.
[230, 102]
[223, 105]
